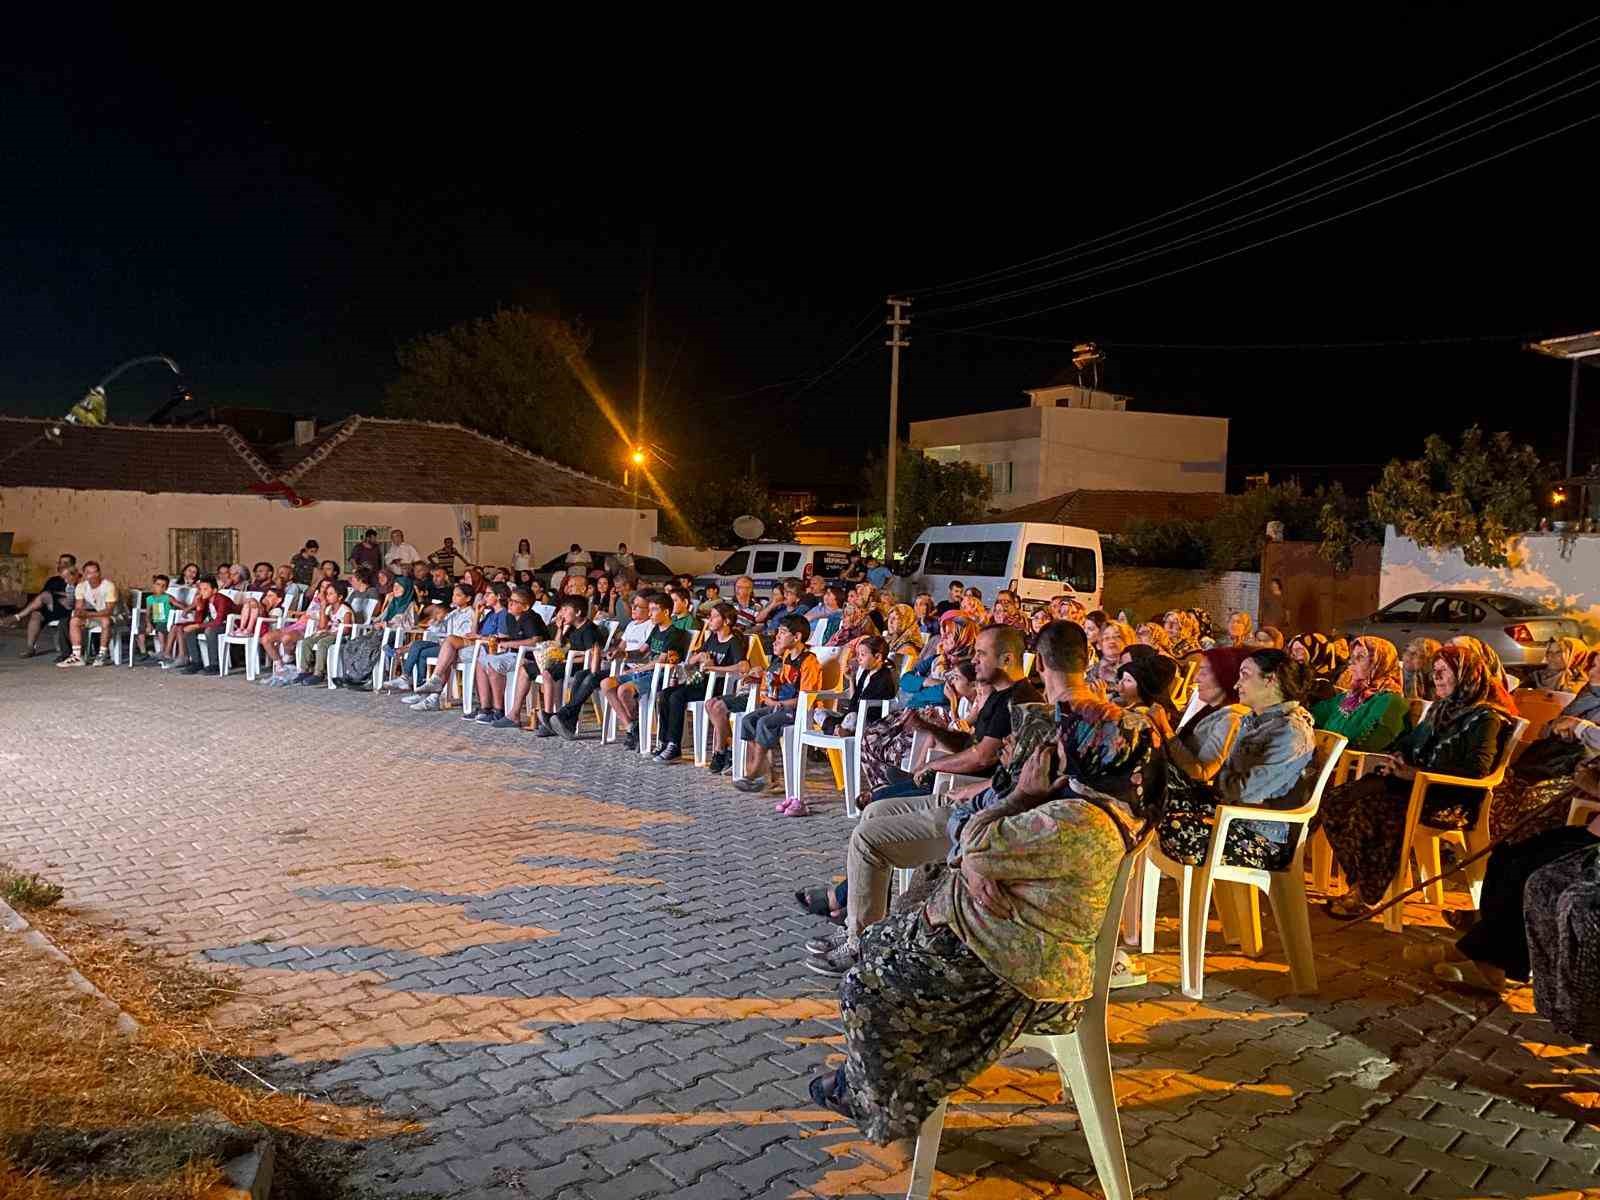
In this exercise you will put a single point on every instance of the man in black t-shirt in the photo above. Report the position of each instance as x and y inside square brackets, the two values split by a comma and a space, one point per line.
[523, 627]
[667, 644]
[723, 649]
[53, 603]
[583, 642]
[958, 591]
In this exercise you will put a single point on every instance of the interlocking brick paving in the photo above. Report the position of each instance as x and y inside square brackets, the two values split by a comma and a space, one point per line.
[583, 972]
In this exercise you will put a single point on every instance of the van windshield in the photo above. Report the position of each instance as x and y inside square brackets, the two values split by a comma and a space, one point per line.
[736, 563]
[1071, 565]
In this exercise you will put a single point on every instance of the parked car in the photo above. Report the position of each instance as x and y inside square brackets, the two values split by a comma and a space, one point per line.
[769, 563]
[1516, 629]
[651, 570]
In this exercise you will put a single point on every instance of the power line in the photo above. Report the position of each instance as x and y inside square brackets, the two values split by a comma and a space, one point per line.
[808, 380]
[1407, 156]
[1374, 344]
[1277, 237]
[1079, 247]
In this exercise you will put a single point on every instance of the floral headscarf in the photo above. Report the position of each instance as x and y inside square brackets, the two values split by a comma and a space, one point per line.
[966, 633]
[910, 634]
[1187, 641]
[1155, 635]
[1474, 688]
[1573, 662]
[1319, 653]
[1383, 673]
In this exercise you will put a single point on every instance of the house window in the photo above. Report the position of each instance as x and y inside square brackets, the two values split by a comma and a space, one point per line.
[352, 535]
[208, 547]
[1000, 478]
[488, 524]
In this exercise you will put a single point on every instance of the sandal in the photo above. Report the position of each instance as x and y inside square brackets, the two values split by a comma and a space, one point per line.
[821, 901]
[1469, 974]
[1347, 905]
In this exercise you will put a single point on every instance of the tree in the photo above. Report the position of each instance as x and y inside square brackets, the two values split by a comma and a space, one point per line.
[1471, 498]
[516, 374]
[928, 492]
[708, 508]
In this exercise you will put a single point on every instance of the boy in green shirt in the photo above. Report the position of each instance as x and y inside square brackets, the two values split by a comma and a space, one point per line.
[683, 616]
[157, 607]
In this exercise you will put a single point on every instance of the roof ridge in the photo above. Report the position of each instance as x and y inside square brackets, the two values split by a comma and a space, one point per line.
[256, 463]
[342, 432]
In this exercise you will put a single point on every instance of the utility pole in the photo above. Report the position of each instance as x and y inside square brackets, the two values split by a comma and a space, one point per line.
[897, 322]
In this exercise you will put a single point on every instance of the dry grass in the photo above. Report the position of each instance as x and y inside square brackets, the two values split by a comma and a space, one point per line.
[86, 1113]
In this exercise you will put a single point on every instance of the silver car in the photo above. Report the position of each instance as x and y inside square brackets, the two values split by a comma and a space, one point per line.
[1518, 630]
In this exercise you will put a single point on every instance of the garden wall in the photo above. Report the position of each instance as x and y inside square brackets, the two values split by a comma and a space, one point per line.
[1313, 594]
[1145, 591]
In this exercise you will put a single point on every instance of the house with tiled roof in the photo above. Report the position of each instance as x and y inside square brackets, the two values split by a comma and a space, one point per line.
[1111, 511]
[144, 499]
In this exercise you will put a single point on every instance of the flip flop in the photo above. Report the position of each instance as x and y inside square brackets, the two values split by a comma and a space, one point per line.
[1468, 975]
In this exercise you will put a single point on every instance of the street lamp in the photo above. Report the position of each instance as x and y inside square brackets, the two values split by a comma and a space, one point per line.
[1575, 349]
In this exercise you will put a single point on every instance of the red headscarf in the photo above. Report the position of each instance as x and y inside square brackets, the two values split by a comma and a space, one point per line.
[1225, 662]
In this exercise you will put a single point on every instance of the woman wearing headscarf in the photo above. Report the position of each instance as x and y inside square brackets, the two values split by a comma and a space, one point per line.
[1115, 637]
[1267, 637]
[1183, 631]
[1151, 634]
[904, 631]
[1461, 735]
[399, 612]
[1500, 683]
[1416, 668]
[1372, 712]
[1255, 754]
[1314, 652]
[1566, 666]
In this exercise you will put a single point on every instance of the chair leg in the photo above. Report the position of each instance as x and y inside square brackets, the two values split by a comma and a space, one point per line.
[1288, 896]
[927, 1153]
[1322, 867]
[1150, 889]
[836, 761]
[1133, 909]
[1429, 861]
[1084, 1059]
[1474, 872]
[1227, 915]
[1196, 896]
[1242, 899]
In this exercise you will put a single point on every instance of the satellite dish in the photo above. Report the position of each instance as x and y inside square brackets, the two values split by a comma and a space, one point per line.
[749, 528]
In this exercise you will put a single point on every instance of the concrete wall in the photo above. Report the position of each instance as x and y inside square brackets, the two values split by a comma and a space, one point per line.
[1056, 450]
[127, 531]
[690, 560]
[1563, 571]
[1145, 591]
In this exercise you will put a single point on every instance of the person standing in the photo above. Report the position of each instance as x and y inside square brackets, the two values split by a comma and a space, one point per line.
[304, 562]
[621, 563]
[401, 553]
[522, 560]
[365, 553]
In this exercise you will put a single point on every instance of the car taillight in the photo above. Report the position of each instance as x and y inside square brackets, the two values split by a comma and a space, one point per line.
[1520, 634]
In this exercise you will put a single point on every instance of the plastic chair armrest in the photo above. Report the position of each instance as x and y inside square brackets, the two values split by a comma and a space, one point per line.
[1428, 778]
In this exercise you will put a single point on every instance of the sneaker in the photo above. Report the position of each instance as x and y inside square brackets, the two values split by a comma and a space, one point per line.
[191, 669]
[506, 723]
[828, 942]
[486, 716]
[542, 727]
[469, 714]
[668, 753]
[630, 740]
[1125, 972]
[412, 699]
[836, 962]
[307, 679]
[751, 785]
[431, 686]
[565, 728]
[721, 760]
[399, 683]
[427, 704]
[794, 808]
[101, 660]
[29, 652]
[167, 664]
[71, 660]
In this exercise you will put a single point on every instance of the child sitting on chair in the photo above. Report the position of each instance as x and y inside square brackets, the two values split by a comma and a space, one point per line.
[871, 680]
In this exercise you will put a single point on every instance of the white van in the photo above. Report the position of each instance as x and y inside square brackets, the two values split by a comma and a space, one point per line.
[1037, 561]
[770, 563]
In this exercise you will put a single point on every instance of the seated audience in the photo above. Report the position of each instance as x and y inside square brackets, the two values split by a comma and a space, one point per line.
[211, 612]
[1115, 637]
[94, 608]
[870, 680]
[1183, 633]
[794, 669]
[1008, 610]
[460, 626]
[723, 649]
[311, 652]
[1155, 636]
[157, 607]
[1501, 684]
[745, 607]
[497, 659]
[668, 643]
[1239, 626]
[927, 614]
[683, 614]
[1417, 668]
[1565, 669]
[957, 593]
[281, 645]
[1364, 820]
[1263, 765]
[54, 602]
[1372, 711]
[261, 577]
[903, 632]
[924, 683]
[440, 588]
[1268, 637]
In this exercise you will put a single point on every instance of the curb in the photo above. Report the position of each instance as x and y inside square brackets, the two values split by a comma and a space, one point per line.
[248, 1177]
[12, 921]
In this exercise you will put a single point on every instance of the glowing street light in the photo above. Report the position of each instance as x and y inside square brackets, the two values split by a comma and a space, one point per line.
[638, 457]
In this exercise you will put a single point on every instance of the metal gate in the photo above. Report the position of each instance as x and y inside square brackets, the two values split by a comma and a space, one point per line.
[208, 547]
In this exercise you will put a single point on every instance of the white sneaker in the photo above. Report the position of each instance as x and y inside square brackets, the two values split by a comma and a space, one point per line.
[431, 686]
[428, 703]
[1125, 972]
[72, 660]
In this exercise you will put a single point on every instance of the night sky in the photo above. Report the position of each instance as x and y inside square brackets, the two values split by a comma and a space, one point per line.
[279, 217]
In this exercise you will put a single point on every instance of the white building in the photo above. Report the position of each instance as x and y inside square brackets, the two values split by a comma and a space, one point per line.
[143, 498]
[1072, 438]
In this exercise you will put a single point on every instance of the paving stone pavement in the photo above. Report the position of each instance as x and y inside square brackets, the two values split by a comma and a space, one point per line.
[582, 972]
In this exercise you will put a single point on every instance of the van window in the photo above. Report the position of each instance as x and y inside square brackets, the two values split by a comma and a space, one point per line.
[766, 563]
[829, 563]
[736, 563]
[1071, 565]
[968, 558]
[791, 561]
[912, 562]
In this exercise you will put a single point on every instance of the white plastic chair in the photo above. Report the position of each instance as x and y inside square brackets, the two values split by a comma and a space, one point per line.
[547, 612]
[1084, 1059]
[232, 636]
[1237, 902]
[846, 745]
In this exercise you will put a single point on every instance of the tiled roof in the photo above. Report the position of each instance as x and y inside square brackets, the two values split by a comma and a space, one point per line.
[127, 458]
[360, 458]
[1111, 512]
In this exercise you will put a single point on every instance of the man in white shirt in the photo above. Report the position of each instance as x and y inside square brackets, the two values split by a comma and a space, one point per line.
[401, 553]
[94, 605]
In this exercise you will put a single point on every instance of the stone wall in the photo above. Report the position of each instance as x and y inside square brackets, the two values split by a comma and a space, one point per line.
[1145, 591]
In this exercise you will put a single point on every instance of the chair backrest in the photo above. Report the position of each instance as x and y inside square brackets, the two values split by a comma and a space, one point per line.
[183, 594]
[1540, 706]
[756, 653]
[1419, 710]
[1330, 747]
[364, 607]
[1507, 749]
[547, 612]
[819, 633]
[832, 672]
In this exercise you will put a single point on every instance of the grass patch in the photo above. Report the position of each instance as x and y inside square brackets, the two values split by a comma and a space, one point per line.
[27, 892]
[86, 1113]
